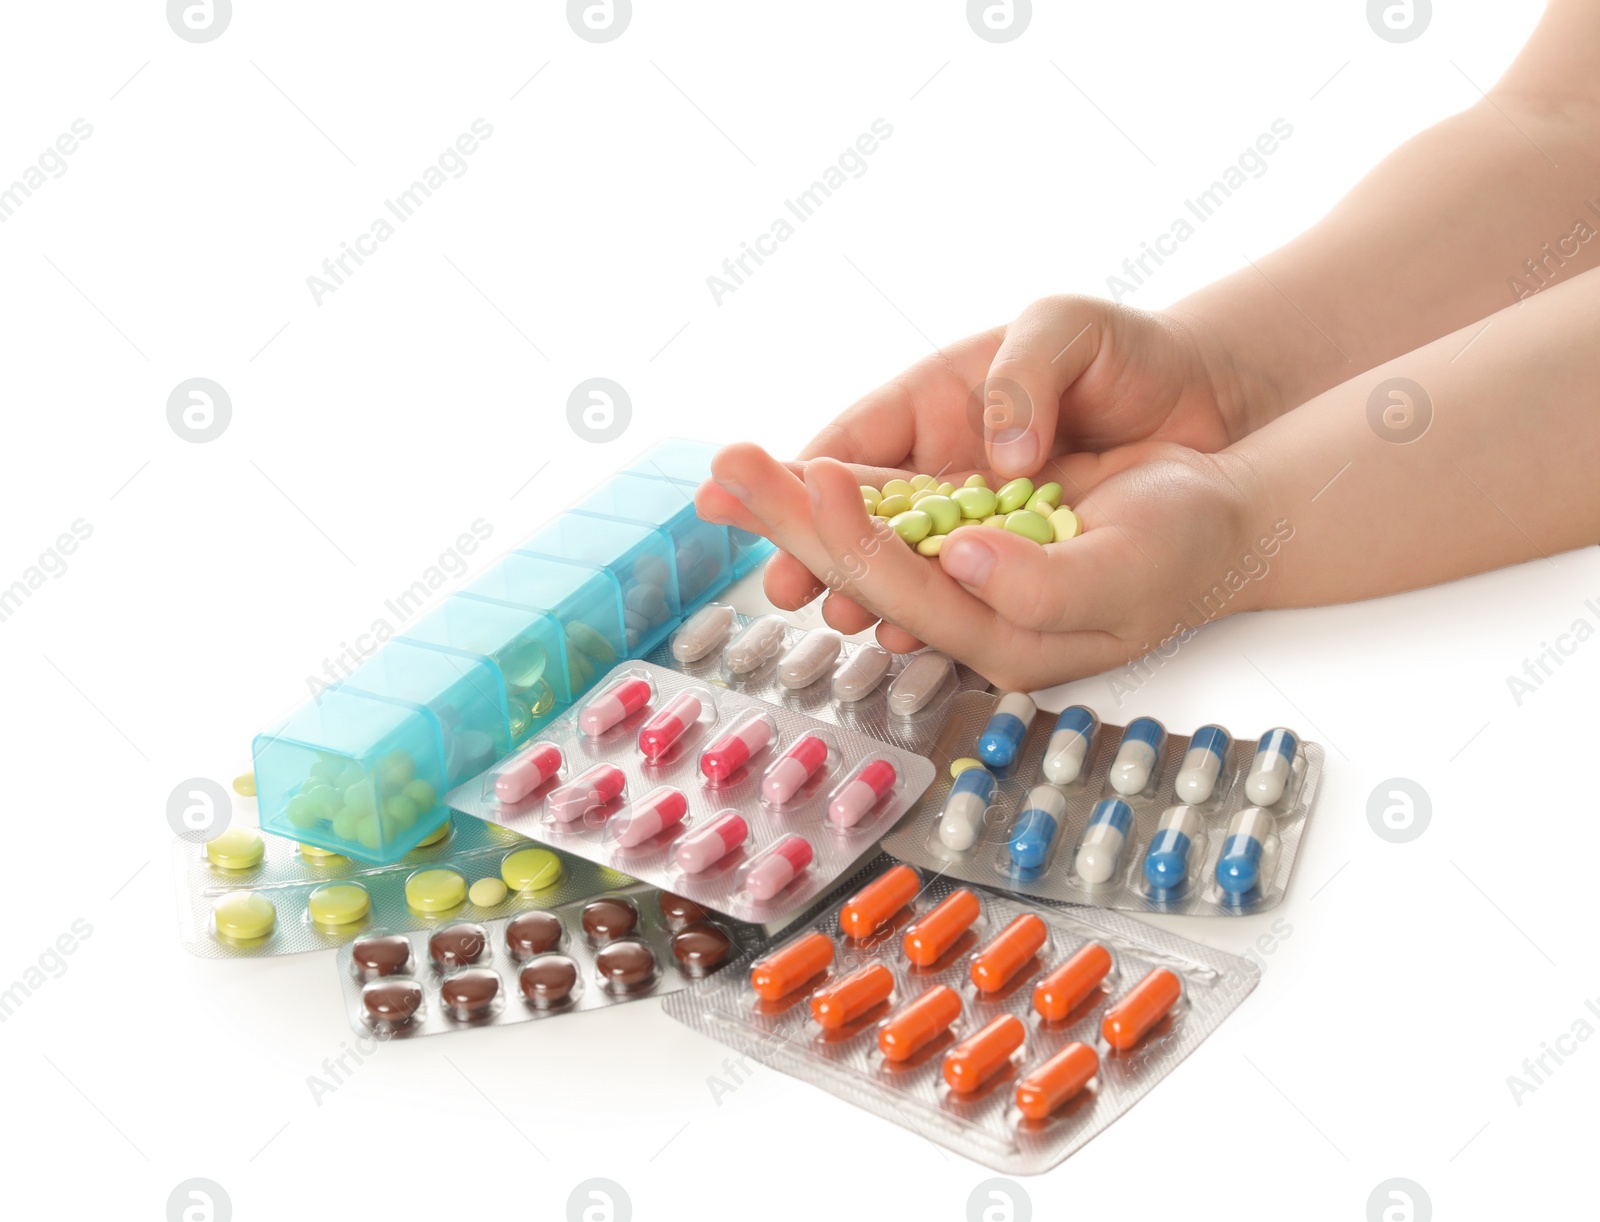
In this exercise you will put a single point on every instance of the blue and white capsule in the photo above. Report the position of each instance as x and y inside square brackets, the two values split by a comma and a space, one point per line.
[1101, 848]
[1036, 827]
[1202, 764]
[1137, 755]
[962, 821]
[1167, 861]
[1068, 748]
[1239, 867]
[1002, 737]
[1272, 767]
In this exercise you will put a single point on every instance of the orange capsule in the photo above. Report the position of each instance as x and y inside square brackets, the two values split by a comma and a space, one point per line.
[782, 972]
[931, 935]
[1069, 986]
[1004, 956]
[846, 999]
[979, 1057]
[1140, 1008]
[1056, 1081]
[920, 1023]
[870, 908]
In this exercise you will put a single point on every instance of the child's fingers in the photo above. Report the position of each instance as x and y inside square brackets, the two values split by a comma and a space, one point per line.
[1079, 584]
[1045, 350]
[789, 585]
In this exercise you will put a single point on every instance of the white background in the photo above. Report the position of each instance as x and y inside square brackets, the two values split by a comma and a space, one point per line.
[429, 391]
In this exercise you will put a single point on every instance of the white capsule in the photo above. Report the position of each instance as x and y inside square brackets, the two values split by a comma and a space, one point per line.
[961, 823]
[809, 660]
[705, 630]
[1272, 766]
[919, 682]
[1137, 755]
[1202, 764]
[1101, 846]
[758, 644]
[1068, 749]
[859, 677]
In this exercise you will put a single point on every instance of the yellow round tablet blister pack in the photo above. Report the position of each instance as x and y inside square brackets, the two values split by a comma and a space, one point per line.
[334, 904]
[238, 848]
[487, 892]
[531, 870]
[244, 916]
[435, 836]
[435, 890]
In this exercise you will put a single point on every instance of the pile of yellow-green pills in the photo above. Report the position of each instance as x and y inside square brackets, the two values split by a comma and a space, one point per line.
[924, 512]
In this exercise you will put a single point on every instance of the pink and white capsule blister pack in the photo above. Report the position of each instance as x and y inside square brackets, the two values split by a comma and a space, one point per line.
[744, 807]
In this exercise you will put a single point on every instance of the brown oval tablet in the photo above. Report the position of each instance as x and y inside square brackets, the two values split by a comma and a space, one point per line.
[626, 965]
[700, 948]
[470, 994]
[382, 955]
[394, 1002]
[532, 933]
[459, 945]
[678, 912]
[549, 981]
[607, 919]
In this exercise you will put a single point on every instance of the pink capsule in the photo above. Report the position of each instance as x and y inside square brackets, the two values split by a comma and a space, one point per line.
[777, 867]
[592, 790]
[710, 844]
[660, 808]
[619, 701]
[733, 750]
[667, 725]
[862, 792]
[526, 772]
[796, 766]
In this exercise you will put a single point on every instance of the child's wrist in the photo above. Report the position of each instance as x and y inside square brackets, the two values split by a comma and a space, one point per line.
[1256, 534]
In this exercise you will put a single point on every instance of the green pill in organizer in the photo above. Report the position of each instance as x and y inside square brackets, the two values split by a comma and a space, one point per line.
[1014, 495]
[531, 870]
[913, 525]
[975, 502]
[944, 512]
[421, 793]
[893, 504]
[587, 641]
[238, 848]
[1030, 525]
[347, 822]
[244, 916]
[334, 904]
[436, 890]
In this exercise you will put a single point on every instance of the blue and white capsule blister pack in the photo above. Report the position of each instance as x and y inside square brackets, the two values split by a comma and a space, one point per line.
[1132, 817]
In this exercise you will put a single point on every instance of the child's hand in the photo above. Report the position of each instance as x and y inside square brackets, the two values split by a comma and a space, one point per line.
[1163, 525]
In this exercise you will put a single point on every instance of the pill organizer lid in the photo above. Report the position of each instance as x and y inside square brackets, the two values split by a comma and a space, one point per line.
[499, 630]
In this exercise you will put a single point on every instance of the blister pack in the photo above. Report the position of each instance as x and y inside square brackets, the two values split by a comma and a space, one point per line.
[745, 807]
[858, 685]
[466, 973]
[1131, 817]
[245, 895]
[1011, 1033]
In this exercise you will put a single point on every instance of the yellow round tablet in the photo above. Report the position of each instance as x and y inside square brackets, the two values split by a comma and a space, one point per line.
[487, 892]
[435, 890]
[957, 767]
[245, 784]
[320, 855]
[238, 848]
[244, 916]
[338, 903]
[531, 869]
[435, 837]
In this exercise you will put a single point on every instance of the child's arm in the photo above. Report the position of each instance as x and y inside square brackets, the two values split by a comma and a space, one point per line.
[1322, 505]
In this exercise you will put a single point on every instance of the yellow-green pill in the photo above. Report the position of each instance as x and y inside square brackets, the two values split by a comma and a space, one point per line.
[1064, 524]
[894, 503]
[245, 784]
[1030, 525]
[922, 481]
[531, 870]
[338, 904]
[435, 837]
[931, 546]
[913, 525]
[244, 916]
[944, 512]
[946, 488]
[487, 892]
[899, 487]
[436, 890]
[871, 496]
[995, 519]
[957, 767]
[1046, 494]
[975, 481]
[975, 502]
[1014, 495]
[238, 848]
[315, 852]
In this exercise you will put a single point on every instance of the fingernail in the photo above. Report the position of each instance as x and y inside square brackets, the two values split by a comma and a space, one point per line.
[1015, 450]
[968, 560]
[734, 489]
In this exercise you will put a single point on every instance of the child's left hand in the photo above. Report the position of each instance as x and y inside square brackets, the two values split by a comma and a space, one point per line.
[1162, 526]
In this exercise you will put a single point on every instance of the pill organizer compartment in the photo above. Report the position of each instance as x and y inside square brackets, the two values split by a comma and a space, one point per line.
[324, 774]
[991, 861]
[640, 557]
[689, 463]
[700, 548]
[525, 645]
[984, 1124]
[583, 599]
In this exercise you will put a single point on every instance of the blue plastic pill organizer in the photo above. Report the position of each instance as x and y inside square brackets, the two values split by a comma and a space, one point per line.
[362, 769]
[1130, 830]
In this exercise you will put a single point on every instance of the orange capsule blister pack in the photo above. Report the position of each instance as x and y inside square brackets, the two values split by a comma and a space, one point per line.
[1010, 1032]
